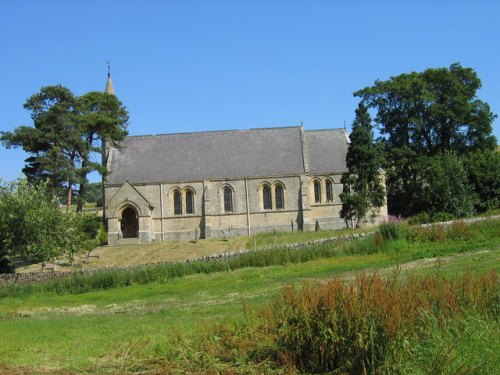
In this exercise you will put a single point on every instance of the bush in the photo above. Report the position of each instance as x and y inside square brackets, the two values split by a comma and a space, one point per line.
[7, 266]
[91, 224]
[421, 218]
[440, 217]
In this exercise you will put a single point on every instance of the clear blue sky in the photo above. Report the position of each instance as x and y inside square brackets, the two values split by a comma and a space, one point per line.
[182, 66]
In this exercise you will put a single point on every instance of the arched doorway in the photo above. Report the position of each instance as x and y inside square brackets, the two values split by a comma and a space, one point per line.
[129, 223]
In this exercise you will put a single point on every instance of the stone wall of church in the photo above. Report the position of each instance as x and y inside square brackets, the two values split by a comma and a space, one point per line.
[305, 207]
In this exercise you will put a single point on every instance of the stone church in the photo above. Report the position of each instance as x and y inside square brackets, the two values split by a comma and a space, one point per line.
[223, 183]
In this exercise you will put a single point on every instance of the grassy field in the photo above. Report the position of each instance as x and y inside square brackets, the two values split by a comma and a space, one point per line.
[126, 329]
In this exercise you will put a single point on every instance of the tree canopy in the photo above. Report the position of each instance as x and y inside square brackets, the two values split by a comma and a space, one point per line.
[67, 132]
[433, 111]
[424, 115]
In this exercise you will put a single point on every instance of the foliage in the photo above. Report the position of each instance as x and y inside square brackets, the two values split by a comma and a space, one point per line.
[67, 132]
[102, 236]
[483, 169]
[33, 227]
[103, 118]
[52, 142]
[93, 194]
[426, 217]
[446, 187]
[355, 328]
[433, 111]
[393, 230]
[422, 115]
[365, 193]
[369, 326]
[6, 265]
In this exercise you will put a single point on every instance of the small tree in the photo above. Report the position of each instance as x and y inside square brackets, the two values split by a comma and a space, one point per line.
[364, 192]
[33, 227]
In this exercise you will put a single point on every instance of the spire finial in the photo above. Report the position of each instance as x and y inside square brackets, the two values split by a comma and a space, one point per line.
[109, 84]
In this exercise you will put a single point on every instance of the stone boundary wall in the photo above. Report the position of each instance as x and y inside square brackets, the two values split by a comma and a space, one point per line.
[39, 277]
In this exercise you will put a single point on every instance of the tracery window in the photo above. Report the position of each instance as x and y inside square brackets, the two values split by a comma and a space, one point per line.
[266, 198]
[317, 192]
[329, 191]
[177, 203]
[189, 202]
[279, 197]
[228, 199]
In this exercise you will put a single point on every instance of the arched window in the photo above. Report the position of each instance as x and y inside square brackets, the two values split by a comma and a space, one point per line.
[177, 203]
[266, 198]
[317, 192]
[189, 202]
[329, 191]
[228, 199]
[279, 197]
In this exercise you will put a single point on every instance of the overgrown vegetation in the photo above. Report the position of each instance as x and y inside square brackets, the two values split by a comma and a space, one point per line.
[370, 326]
[32, 227]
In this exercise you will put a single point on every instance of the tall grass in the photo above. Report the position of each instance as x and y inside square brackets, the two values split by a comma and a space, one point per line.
[371, 326]
[354, 328]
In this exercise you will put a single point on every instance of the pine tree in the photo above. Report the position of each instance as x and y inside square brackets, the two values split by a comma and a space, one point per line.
[364, 192]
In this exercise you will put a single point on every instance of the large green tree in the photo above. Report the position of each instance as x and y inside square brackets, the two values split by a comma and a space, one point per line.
[422, 115]
[364, 191]
[53, 141]
[65, 141]
[103, 118]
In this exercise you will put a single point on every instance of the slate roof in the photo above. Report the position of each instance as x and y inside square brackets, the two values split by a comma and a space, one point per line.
[226, 154]
[327, 150]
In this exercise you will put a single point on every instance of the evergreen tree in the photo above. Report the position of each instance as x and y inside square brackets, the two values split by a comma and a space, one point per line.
[364, 192]
[52, 142]
[67, 133]
[102, 116]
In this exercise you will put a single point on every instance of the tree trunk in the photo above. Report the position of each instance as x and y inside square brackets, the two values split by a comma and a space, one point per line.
[68, 197]
[83, 185]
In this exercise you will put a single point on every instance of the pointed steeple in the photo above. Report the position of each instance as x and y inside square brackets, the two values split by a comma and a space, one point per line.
[109, 84]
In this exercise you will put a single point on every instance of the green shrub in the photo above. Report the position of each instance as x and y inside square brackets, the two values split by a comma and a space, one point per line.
[421, 218]
[91, 224]
[441, 217]
[7, 266]
[392, 230]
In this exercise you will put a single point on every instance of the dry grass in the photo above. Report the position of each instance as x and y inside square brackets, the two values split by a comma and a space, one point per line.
[173, 251]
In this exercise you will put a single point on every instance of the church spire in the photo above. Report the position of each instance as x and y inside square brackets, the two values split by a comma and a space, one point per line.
[109, 84]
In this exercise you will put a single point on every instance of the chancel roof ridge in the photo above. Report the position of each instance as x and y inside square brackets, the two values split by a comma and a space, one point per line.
[143, 136]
